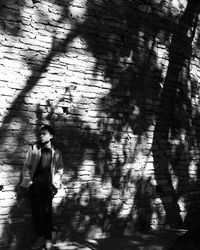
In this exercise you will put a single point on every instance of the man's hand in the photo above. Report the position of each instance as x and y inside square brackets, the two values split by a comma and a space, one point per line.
[57, 181]
[56, 184]
[25, 183]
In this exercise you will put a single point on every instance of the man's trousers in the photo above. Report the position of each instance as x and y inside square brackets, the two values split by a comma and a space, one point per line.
[41, 205]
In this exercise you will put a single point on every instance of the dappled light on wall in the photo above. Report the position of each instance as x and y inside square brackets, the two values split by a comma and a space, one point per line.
[119, 83]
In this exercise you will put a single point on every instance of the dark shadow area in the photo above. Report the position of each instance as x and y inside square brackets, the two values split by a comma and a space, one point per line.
[10, 16]
[162, 240]
[189, 240]
[123, 39]
[174, 115]
[18, 229]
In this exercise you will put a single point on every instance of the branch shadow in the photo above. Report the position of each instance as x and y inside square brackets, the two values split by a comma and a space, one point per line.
[173, 117]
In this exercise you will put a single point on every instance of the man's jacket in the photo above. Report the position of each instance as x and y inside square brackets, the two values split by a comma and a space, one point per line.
[32, 160]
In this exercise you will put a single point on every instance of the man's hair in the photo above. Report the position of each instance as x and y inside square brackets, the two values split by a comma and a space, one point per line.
[48, 128]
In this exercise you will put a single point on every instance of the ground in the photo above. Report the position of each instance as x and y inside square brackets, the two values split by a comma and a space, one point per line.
[158, 240]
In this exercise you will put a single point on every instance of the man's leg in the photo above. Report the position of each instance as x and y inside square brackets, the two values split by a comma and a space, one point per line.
[37, 214]
[47, 206]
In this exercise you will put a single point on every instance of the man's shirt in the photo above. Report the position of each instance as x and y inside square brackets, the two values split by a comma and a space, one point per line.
[43, 170]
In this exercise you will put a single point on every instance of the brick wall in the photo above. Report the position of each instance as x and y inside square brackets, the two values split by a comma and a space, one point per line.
[118, 80]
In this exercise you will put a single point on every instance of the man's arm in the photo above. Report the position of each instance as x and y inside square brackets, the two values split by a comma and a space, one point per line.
[26, 170]
[58, 171]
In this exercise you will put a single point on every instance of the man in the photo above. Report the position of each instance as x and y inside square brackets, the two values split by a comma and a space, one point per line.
[42, 172]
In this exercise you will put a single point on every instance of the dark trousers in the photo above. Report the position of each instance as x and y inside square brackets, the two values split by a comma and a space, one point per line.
[41, 206]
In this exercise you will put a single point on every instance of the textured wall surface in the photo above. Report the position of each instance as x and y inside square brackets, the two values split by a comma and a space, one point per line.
[119, 82]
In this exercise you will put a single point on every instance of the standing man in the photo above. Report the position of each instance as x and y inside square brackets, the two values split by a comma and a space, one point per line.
[42, 172]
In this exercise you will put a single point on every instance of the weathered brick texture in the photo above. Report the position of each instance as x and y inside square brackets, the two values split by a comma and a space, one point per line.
[119, 82]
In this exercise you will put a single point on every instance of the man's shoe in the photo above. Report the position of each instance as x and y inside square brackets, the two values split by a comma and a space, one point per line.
[48, 244]
[40, 241]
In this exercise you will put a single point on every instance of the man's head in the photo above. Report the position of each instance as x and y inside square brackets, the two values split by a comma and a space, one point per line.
[46, 134]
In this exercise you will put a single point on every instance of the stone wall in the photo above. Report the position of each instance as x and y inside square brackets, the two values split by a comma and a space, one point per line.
[118, 81]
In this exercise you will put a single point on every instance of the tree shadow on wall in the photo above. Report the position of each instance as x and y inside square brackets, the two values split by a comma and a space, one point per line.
[18, 229]
[136, 78]
[84, 213]
[175, 111]
[88, 218]
[132, 101]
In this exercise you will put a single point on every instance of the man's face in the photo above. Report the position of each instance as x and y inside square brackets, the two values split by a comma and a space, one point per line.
[45, 136]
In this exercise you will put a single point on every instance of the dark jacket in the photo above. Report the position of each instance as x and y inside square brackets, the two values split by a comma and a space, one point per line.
[32, 160]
